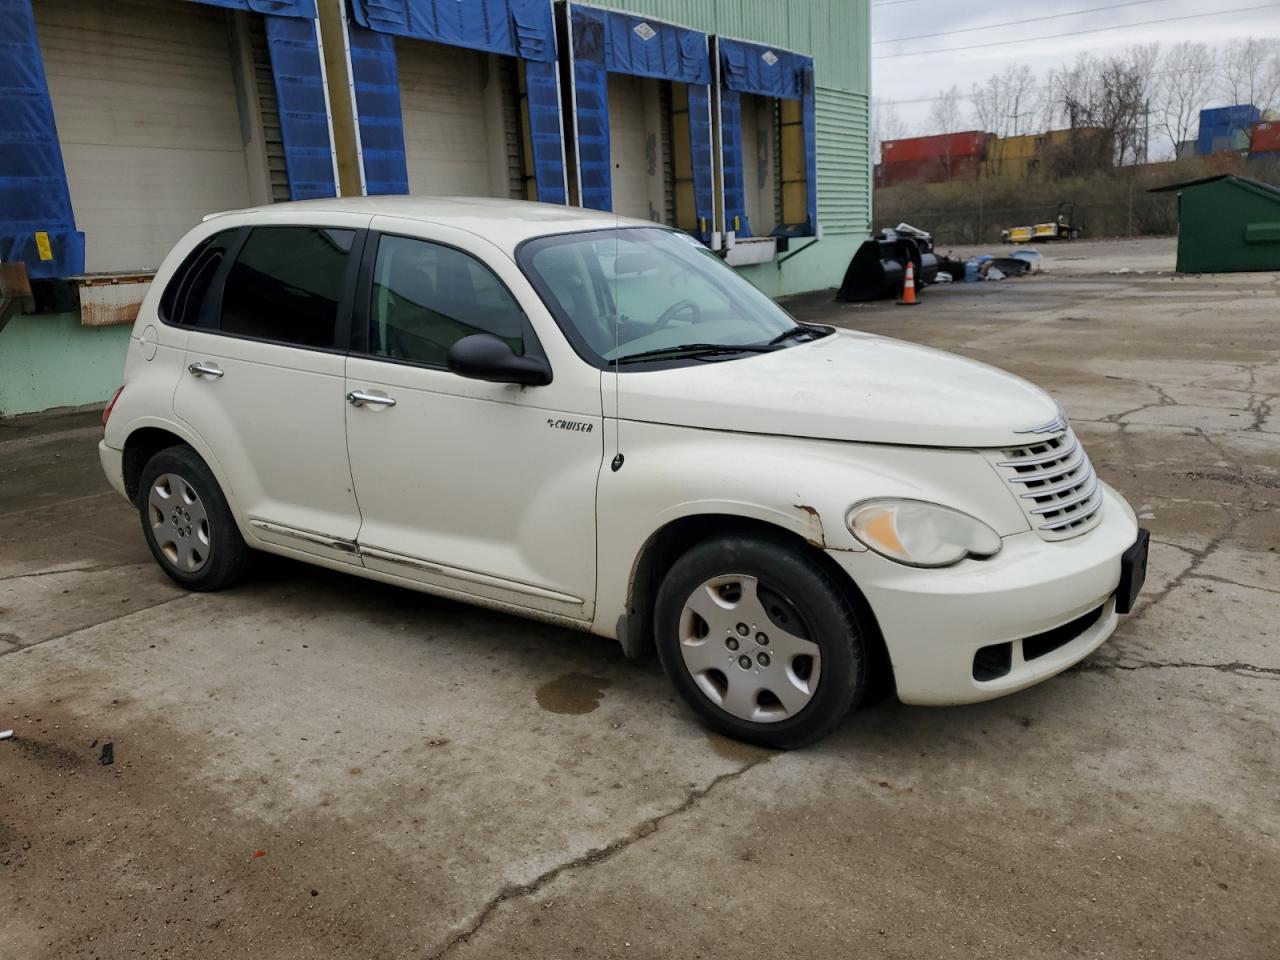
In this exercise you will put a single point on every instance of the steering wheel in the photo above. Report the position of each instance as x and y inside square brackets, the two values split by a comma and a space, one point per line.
[680, 306]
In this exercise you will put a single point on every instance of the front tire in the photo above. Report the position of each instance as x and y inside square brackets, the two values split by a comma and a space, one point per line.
[760, 641]
[187, 522]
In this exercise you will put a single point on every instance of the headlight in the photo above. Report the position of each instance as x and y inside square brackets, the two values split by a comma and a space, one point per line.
[921, 534]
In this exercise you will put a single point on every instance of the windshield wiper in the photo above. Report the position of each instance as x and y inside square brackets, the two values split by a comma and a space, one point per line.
[789, 334]
[693, 350]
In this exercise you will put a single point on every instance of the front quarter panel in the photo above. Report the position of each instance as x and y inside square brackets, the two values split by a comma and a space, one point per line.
[802, 486]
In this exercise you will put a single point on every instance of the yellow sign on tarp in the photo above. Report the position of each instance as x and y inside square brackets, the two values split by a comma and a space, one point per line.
[42, 245]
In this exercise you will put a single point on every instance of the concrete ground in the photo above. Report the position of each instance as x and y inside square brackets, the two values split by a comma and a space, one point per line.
[317, 766]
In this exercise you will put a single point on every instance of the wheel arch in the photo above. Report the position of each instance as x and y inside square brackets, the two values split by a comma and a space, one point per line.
[670, 541]
[140, 446]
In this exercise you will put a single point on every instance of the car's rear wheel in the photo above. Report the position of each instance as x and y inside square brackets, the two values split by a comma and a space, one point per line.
[187, 522]
[759, 639]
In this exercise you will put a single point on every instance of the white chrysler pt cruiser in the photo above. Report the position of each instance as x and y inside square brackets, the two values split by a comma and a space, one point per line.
[594, 421]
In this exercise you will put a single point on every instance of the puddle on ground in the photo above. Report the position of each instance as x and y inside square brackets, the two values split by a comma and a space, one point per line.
[572, 693]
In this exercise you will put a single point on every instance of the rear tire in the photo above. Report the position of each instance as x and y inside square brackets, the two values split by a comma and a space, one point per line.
[187, 522]
[760, 641]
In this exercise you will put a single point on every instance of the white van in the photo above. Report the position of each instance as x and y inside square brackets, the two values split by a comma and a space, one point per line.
[594, 421]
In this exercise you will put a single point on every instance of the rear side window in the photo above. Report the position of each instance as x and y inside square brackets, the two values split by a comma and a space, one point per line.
[427, 297]
[286, 284]
[180, 304]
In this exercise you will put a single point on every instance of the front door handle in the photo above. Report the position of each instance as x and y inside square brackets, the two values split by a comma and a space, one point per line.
[358, 398]
[201, 369]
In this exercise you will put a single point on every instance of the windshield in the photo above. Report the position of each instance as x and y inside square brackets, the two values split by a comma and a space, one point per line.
[665, 291]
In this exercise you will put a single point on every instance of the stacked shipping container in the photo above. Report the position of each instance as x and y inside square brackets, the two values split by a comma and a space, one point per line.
[953, 156]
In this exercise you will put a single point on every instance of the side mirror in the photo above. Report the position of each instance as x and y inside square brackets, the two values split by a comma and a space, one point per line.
[482, 356]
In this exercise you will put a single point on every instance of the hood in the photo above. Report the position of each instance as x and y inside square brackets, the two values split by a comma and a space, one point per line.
[847, 386]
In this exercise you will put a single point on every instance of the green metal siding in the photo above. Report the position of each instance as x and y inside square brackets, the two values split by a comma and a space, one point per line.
[844, 165]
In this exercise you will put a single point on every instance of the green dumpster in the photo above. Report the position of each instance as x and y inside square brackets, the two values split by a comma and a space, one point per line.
[1227, 224]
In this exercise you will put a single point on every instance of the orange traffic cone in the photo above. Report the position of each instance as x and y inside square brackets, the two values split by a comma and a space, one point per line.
[908, 298]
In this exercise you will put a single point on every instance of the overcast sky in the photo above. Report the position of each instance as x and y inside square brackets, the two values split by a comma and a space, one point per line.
[922, 74]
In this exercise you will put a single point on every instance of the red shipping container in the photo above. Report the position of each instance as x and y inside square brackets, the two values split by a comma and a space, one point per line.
[1265, 138]
[972, 143]
[928, 170]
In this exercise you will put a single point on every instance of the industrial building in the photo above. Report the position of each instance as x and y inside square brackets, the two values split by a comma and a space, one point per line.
[123, 122]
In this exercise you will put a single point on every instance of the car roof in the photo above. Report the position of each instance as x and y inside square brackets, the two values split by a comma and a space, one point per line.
[506, 223]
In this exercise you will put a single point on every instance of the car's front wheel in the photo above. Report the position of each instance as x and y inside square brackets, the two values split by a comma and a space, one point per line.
[188, 523]
[758, 638]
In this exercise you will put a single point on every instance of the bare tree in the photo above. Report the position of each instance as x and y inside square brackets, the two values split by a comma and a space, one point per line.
[1180, 88]
[1007, 103]
[944, 115]
[1249, 72]
[1105, 100]
[886, 124]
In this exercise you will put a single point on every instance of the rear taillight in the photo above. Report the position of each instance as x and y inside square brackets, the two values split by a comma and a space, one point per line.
[106, 414]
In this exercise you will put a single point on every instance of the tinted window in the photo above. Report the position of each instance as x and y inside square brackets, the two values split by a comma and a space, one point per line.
[427, 297]
[286, 284]
[183, 297]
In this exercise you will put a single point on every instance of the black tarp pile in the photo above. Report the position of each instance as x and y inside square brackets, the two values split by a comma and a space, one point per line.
[879, 267]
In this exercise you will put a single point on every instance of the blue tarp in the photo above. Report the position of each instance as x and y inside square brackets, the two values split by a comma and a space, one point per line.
[304, 114]
[33, 183]
[768, 72]
[606, 41]
[542, 86]
[735, 197]
[517, 28]
[377, 83]
[278, 8]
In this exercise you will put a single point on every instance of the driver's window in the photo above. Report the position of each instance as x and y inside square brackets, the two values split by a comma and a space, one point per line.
[426, 297]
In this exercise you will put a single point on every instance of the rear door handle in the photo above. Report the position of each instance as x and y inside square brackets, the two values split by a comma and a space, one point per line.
[358, 398]
[201, 369]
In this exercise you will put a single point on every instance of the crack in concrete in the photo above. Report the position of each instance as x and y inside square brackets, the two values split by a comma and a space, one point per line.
[1227, 581]
[90, 626]
[99, 568]
[1236, 667]
[588, 859]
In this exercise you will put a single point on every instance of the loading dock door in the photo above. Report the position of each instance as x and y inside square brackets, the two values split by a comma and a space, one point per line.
[627, 135]
[749, 75]
[760, 150]
[144, 97]
[446, 137]
[457, 98]
[641, 92]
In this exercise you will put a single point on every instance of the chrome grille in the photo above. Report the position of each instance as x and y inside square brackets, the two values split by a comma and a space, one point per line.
[1055, 484]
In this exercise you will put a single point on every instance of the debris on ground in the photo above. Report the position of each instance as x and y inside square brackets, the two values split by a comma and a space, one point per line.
[5, 734]
[878, 269]
[108, 755]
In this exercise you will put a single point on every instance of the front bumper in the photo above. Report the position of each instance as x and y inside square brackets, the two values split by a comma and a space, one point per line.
[935, 621]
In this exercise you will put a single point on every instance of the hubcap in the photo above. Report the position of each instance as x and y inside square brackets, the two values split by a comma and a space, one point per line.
[179, 522]
[744, 649]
